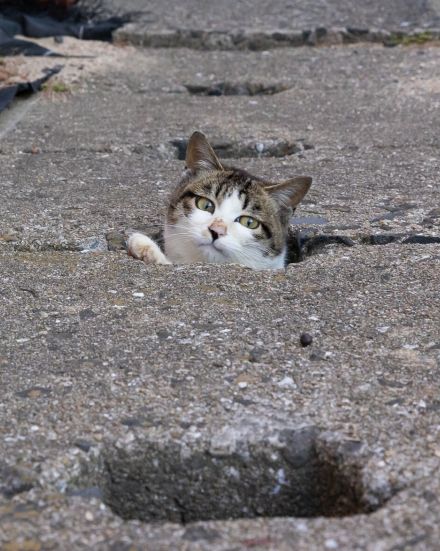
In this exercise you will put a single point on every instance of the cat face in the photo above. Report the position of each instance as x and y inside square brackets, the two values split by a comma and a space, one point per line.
[222, 215]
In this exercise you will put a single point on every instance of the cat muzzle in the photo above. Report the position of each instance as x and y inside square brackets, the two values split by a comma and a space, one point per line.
[217, 229]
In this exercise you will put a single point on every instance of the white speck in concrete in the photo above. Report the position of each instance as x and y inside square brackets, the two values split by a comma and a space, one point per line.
[287, 382]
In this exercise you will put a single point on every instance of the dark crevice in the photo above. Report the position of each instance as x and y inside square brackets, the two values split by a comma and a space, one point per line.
[301, 243]
[47, 247]
[256, 40]
[402, 238]
[237, 150]
[236, 89]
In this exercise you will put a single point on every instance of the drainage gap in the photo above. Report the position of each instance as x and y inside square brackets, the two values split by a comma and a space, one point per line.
[248, 149]
[304, 243]
[236, 89]
[401, 238]
[199, 39]
[302, 475]
[301, 244]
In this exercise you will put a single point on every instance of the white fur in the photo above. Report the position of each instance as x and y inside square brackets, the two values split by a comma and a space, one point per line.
[143, 248]
[190, 240]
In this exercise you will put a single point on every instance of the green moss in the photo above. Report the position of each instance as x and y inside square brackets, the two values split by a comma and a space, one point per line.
[408, 40]
[57, 87]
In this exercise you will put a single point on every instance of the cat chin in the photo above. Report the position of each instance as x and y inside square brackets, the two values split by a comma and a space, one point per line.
[213, 254]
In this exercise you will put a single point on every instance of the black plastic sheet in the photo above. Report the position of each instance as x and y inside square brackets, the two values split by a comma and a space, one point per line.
[8, 93]
[40, 24]
[25, 19]
[17, 46]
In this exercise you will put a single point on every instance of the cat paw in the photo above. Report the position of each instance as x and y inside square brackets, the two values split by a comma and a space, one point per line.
[143, 248]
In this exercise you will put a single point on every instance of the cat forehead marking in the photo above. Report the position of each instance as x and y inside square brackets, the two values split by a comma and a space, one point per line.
[230, 207]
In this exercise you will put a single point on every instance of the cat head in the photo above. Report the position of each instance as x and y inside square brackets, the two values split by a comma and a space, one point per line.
[220, 214]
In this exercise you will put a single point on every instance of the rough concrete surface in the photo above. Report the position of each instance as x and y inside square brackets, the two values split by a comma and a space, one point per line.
[160, 407]
[279, 14]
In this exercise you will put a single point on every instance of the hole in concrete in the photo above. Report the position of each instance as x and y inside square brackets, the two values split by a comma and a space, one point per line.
[301, 245]
[300, 476]
[404, 239]
[236, 89]
[236, 150]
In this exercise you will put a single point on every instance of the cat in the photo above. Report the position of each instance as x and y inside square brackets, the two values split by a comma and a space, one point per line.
[218, 214]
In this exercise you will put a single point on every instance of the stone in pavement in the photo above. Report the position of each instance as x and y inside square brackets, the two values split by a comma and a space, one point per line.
[183, 393]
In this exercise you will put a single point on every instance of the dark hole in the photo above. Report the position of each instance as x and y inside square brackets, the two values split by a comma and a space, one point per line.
[236, 89]
[301, 245]
[161, 483]
[237, 150]
[404, 239]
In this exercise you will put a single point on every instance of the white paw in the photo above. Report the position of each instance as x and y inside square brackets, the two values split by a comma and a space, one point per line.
[143, 248]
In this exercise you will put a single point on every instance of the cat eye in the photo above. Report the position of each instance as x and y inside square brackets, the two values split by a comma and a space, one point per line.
[203, 203]
[248, 222]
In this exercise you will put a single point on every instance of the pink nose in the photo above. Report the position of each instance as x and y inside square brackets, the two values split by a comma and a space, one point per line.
[217, 228]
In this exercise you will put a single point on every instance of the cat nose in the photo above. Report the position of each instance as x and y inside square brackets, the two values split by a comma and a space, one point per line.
[217, 229]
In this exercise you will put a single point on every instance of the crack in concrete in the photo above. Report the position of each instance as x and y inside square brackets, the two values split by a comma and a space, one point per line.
[225, 88]
[248, 149]
[300, 243]
[267, 39]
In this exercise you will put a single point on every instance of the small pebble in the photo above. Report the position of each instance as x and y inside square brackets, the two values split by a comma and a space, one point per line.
[305, 339]
[287, 382]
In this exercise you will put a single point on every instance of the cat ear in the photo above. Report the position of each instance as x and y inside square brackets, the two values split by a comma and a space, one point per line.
[200, 155]
[290, 192]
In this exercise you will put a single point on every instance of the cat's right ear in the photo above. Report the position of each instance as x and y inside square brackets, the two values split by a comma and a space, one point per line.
[290, 192]
[200, 156]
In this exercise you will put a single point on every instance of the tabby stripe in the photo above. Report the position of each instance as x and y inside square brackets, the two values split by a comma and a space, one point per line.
[266, 230]
[186, 194]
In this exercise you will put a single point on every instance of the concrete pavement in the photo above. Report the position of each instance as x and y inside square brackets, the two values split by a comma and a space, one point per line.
[148, 407]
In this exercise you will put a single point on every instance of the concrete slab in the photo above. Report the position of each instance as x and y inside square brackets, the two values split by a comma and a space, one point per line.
[142, 407]
[280, 14]
[102, 158]
[106, 361]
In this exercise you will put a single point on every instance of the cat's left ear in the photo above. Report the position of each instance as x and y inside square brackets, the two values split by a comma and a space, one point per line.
[200, 155]
[291, 192]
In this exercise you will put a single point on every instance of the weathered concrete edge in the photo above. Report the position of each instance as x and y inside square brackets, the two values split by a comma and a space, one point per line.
[255, 40]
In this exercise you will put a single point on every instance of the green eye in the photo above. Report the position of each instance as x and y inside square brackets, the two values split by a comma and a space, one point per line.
[248, 222]
[203, 203]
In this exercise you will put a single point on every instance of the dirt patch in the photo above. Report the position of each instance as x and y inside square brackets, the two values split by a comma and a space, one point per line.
[11, 72]
[86, 58]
